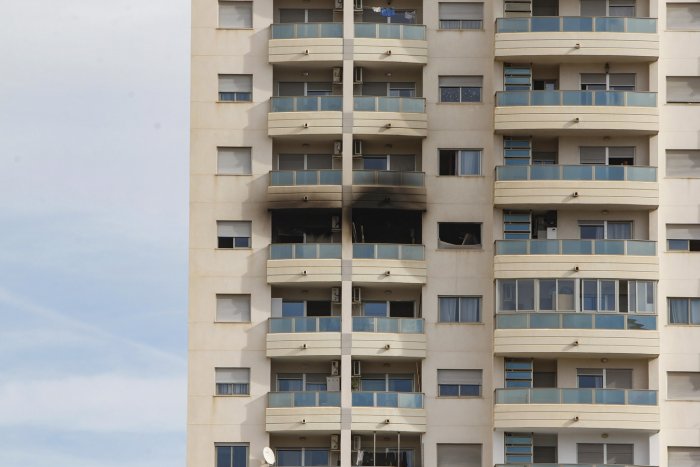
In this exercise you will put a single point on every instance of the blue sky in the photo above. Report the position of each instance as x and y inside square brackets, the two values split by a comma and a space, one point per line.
[93, 232]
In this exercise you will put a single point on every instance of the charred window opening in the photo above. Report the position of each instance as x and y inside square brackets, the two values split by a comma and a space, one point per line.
[459, 234]
[386, 226]
[306, 226]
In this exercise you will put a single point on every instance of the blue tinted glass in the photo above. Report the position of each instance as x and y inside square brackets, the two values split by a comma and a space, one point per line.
[240, 456]
[471, 94]
[287, 385]
[449, 94]
[469, 389]
[449, 390]
[373, 385]
[375, 309]
[590, 381]
[314, 457]
[400, 384]
[292, 309]
[223, 456]
[289, 457]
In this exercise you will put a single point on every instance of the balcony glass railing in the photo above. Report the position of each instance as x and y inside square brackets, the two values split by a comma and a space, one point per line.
[306, 30]
[565, 465]
[306, 104]
[394, 325]
[415, 32]
[572, 320]
[575, 98]
[576, 396]
[576, 247]
[303, 399]
[389, 104]
[305, 177]
[304, 324]
[388, 251]
[576, 172]
[388, 178]
[305, 250]
[401, 400]
[576, 24]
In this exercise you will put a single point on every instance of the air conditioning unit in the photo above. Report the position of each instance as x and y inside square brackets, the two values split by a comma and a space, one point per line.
[337, 75]
[335, 367]
[357, 75]
[356, 368]
[356, 443]
[358, 4]
[357, 147]
[338, 4]
[335, 294]
[356, 295]
[335, 223]
[335, 442]
[337, 148]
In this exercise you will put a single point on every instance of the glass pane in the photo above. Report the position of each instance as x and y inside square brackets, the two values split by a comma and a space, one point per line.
[577, 321]
[518, 321]
[610, 396]
[390, 399]
[610, 321]
[577, 396]
[362, 399]
[526, 294]
[544, 321]
[548, 291]
[544, 396]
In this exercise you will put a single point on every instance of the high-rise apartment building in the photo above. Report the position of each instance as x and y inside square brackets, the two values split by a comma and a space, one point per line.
[437, 233]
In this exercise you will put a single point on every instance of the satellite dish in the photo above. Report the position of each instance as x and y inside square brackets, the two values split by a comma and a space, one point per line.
[269, 455]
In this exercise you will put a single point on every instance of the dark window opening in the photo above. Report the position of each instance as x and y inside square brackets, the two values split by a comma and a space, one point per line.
[457, 234]
[401, 309]
[307, 226]
[386, 226]
[318, 308]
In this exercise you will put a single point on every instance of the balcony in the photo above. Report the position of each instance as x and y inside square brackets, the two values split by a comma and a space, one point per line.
[567, 334]
[304, 263]
[388, 337]
[388, 412]
[390, 116]
[306, 42]
[388, 263]
[303, 336]
[611, 259]
[303, 411]
[390, 43]
[388, 189]
[584, 186]
[577, 39]
[554, 408]
[576, 112]
[305, 116]
[305, 189]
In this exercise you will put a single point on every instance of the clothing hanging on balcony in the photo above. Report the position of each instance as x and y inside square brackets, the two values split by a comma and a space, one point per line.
[388, 11]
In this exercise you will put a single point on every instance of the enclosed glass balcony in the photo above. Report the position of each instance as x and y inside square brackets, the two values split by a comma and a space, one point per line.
[401, 400]
[391, 325]
[576, 396]
[306, 104]
[573, 320]
[303, 399]
[576, 98]
[305, 177]
[565, 465]
[576, 247]
[576, 172]
[388, 178]
[414, 32]
[389, 104]
[304, 324]
[576, 24]
[388, 251]
[307, 30]
[305, 251]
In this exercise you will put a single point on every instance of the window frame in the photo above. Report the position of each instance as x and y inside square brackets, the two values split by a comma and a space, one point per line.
[460, 90]
[682, 102]
[221, 296]
[459, 394]
[245, 96]
[691, 4]
[218, 386]
[692, 153]
[231, 445]
[459, 152]
[688, 311]
[220, 150]
[218, 12]
[479, 300]
[462, 21]
[463, 246]
[234, 240]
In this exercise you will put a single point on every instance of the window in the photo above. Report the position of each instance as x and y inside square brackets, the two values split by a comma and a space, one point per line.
[460, 309]
[612, 230]
[299, 308]
[233, 308]
[390, 162]
[683, 457]
[683, 237]
[386, 382]
[231, 455]
[391, 89]
[604, 378]
[235, 15]
[233, 234]
[459, 234]
[235, 88]
[607, 155]
[608, 8]
[303, 457]
[301, 15]
[461, 15]
[305, 162]
[232, 381]
[683, 89]
[233, 161]
[684, 311]
[459, 455]
[460, 162]
[683, 163]
[459, 383]
[301, 382]
[683, 16]
[598, 453]
[302, 88]
[530, 447]
[460, 88]
[608, 81]
[382, 456]
[683, 386]
[391, 309]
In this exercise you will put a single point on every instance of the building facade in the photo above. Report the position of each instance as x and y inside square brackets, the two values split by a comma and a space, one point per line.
[445, 233]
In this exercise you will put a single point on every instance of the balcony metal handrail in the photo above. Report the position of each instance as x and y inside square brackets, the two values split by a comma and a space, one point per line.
[577, 24]
[388, 324]
[388, 251]
[606, 173]
[575, 320]
[549, 464]
[389, 104]
[576, 98]
[305, 177]
[587, 396]
[576, 247]
[304, 324]
[306, 104]
[401, 400]
[303, 399]
[414, 32]
[306, 30]
[305, 251]
[388, 178]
